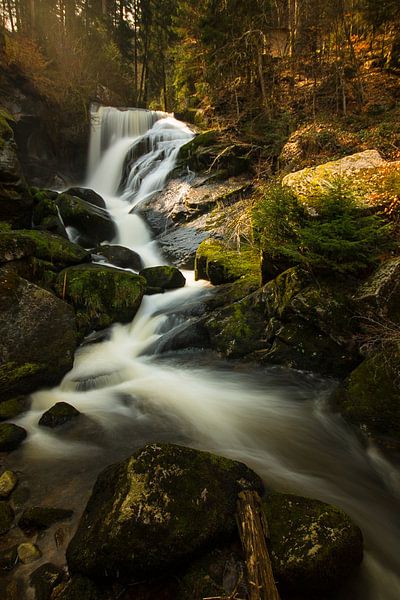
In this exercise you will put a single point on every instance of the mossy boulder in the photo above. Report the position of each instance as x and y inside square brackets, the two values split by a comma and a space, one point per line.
[6, 517]
[28, 553]
[93, 224]
[8, 481]
[11, 436]
[42, 517]
[54, 249]
[163, 277]
[120, 256]
[155, 510]
[14, 247]
[370, 397]
[9, 409]
[219, 264]
[38, 338]
[59, 414]
[314, 546]
[46, 215]
[88, 195]
[45, 579]
[100, 295]
[15, 199]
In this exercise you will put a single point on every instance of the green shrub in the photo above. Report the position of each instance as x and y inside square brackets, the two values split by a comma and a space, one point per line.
[333, 233]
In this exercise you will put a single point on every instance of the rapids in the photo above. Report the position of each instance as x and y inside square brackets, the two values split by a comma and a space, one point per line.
[275, 420]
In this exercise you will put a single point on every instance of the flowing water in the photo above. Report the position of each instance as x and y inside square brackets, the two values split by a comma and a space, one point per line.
[275, 420]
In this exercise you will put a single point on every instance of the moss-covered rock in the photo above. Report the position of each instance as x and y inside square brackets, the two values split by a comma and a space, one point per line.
[120, 256]
[219, 264]
[11, 436]
[45, 579]
[59, 414]
[88, 195]
[38, 339]
[156, 509]
[314, 546]
[370, 397]
[163, 277]
[8, 481]
[28, 553]
[9, 409]
[14, 247]
[101, 295]
[46, 215]
[45, 246]
[42, 517]
[93, 224]
[6, 517]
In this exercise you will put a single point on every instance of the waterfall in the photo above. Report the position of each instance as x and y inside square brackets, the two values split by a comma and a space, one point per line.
[276, 421]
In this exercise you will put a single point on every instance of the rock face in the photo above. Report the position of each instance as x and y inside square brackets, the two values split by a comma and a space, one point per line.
[370, 397]
[163, 277]
[155, 510]
[15, 199]
[93, 224]
[38, 338]
[314, 546]
[101, 295]
[58, 415]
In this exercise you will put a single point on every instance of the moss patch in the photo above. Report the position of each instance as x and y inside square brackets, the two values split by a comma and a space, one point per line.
[219, 264]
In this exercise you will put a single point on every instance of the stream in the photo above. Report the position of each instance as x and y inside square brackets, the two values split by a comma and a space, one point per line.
[275, 420]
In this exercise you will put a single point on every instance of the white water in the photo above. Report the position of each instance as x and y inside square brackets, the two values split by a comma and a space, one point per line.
[276, 421]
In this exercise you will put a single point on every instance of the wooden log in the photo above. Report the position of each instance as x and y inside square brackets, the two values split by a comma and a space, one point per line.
[253, 530]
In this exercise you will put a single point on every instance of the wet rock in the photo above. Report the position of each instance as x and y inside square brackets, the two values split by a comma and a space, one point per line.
[93, 224]
[120, 256]
[11, 436]
[379, 296]
[370, 397]
[88, 195]
[6, 517]
[59, 414]
[8, 559]
[15, 199]
[163, 277]
[45, 579]
[14, 247]
[38, 338]
[46, 246]
[28, 553]
[46, 215]
[42, 517]
[8, 481]
[155, 510]
[314, 546]
[101, 295]
[9, 409]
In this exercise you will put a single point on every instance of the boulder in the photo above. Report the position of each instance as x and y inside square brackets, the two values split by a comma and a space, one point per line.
[370, 397]
[45, 579]
[11, 436]
[8, 481]
[219, 264]
[28, 553]
[155, 510]
[101, 295]
[120, 256]
[14, 247]
[59, 414]
[46, 215]
[379, 295]
[6, 517]
[46, 246]
[41, 517]
[163, 277]
[9, 409]
[15, 199]
[94, 225]
[313, 546]
[88, 195]
[38, 338]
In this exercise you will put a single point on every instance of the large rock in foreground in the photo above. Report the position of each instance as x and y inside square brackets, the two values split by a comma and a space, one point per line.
[314, 546]
[156, 509]
[101, 295]
[38, 336]
[93, 224]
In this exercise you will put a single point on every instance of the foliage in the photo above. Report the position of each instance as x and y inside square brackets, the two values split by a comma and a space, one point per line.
[333, 233]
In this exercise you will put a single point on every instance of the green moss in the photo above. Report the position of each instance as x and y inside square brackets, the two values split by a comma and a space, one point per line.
[4, 226]
[372, 395]
[219, 264]
[11, 374]
[14, 407]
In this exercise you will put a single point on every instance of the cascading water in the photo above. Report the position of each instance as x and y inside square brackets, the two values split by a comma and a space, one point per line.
[276, 421]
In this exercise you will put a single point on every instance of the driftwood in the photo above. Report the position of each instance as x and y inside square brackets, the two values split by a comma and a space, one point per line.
[253, 530]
